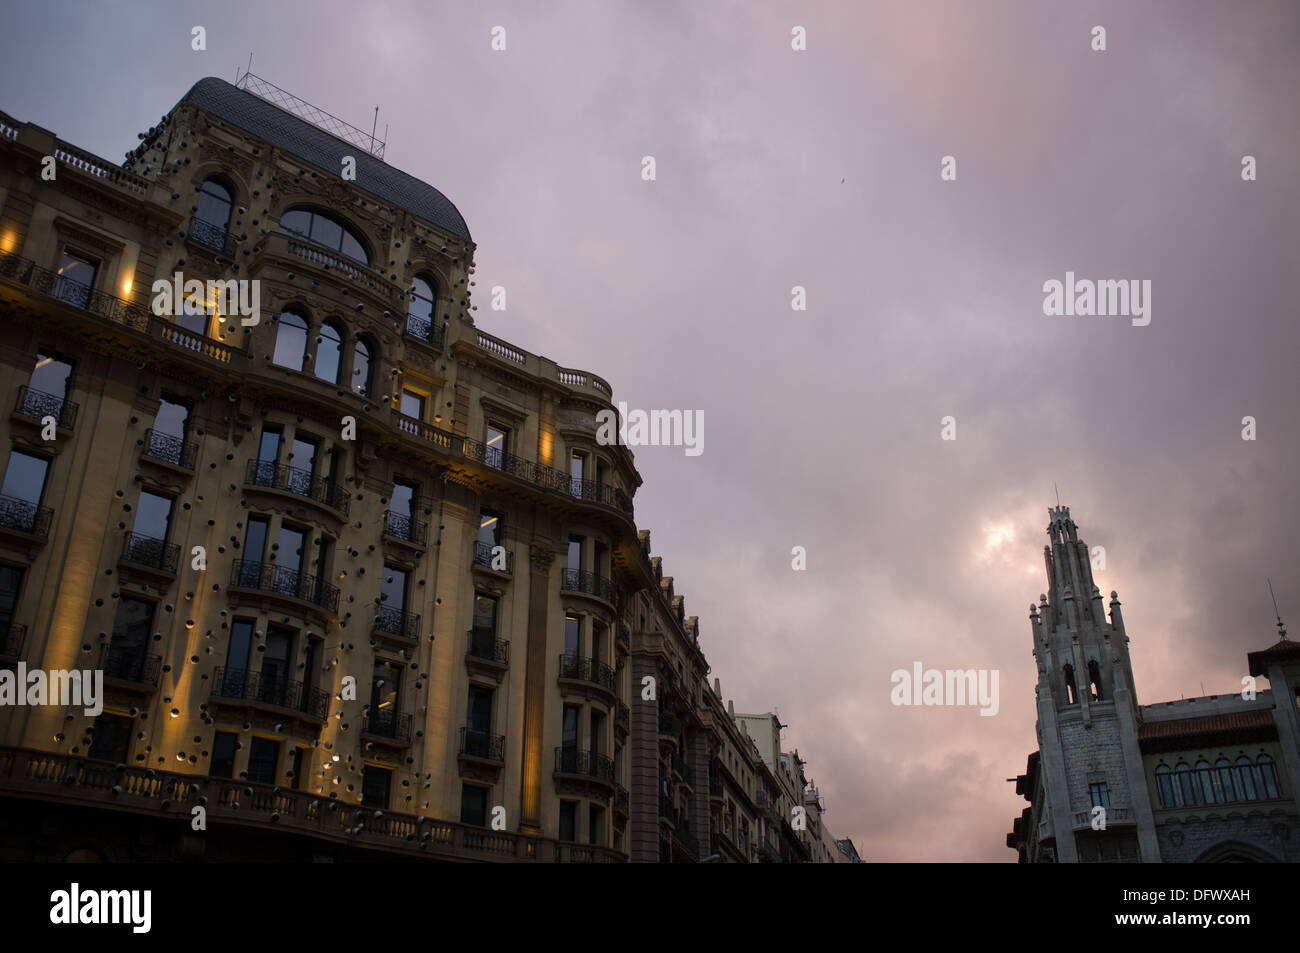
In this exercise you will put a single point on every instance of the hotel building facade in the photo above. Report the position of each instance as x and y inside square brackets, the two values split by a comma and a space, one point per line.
[360, 578]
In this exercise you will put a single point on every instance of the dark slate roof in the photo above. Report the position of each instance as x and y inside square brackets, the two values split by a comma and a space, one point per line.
[1259, 661]
[316, 146]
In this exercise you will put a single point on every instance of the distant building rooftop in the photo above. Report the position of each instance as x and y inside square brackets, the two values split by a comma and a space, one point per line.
[325, 151]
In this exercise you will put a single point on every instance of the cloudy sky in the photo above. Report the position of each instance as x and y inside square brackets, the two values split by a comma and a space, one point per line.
[821, 169]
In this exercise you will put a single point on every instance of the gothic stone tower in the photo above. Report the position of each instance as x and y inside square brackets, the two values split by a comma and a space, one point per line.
[1087, 713]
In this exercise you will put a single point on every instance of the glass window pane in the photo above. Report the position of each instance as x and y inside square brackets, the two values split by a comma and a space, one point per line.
[291, 341]
[328, 354]
[297, 221]
[412, 405]
[361, 368]
[354, 249]
[326, 231]
[50, 375]
[170, 419]
[393, 589]
[152, 515]
[214, 204]
[25, 478]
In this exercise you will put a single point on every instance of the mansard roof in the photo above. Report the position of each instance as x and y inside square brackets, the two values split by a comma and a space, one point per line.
[316, 146]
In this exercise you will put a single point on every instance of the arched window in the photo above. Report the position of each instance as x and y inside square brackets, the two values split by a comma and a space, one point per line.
[361, 367]
[1246, 771]
[329, 352]
[1232, 790]
[291, 341]
[1094, 680]
[1165, 786]
[326, 231]
[1268, 777]
[419, 314]
[1205, 783]
[1186, 785]
[213, 216]
[1071, 691]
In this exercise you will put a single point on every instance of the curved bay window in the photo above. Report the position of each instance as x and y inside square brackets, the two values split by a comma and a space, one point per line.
[326, 231]
[212, 220]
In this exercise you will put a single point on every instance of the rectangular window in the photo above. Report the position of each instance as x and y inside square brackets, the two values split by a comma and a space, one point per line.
[413, 404]
[596, 825]
[263, 761]
[76, 278]
[569, 727]
[597, 732]
[392, 591]
[302, 465]
[275, 664]
[400, 516]
[575, 554]
[473, 805]
[241, 641]
[375, 786]
[111, 739]
[268, 455]
[479, 714]
[167, 441]
[223, 755]
[11, 581]
[484, 637]
[577, 472]
[50, 377]
[153, 516]
[572, 635]
[489, 528]
[132, 627]
[1099, 795]
[568, 821]
[25, 481]
[288, 557]
[497, 446]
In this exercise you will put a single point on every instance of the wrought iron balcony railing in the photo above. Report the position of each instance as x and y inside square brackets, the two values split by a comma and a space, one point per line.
[280, 476]
[425, 330]
[211, 236]
[12, 636]
[580, 580]
[397, 622]
[125, 313]
[38, 405]
[130, 664]
[483, 556]
[388, 723]
[155, 553]
[548, 478]
[25, 516]
[482, 744]
[485, 645]
[170, 449]
[573, 760]
[281, 581]
[583, 669]
[241, 684]
[403, 526]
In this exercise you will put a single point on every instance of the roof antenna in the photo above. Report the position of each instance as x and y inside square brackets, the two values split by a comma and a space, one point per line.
[247, 71]
[1058, 496]
[1280, 627]
[373, 127]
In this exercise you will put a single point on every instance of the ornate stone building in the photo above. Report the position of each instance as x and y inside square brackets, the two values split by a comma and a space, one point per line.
[359, 577]
[1201, 779]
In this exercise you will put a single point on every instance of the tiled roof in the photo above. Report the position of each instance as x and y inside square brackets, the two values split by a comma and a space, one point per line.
[1280, 649]
[316, 146]
[1206, 729]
